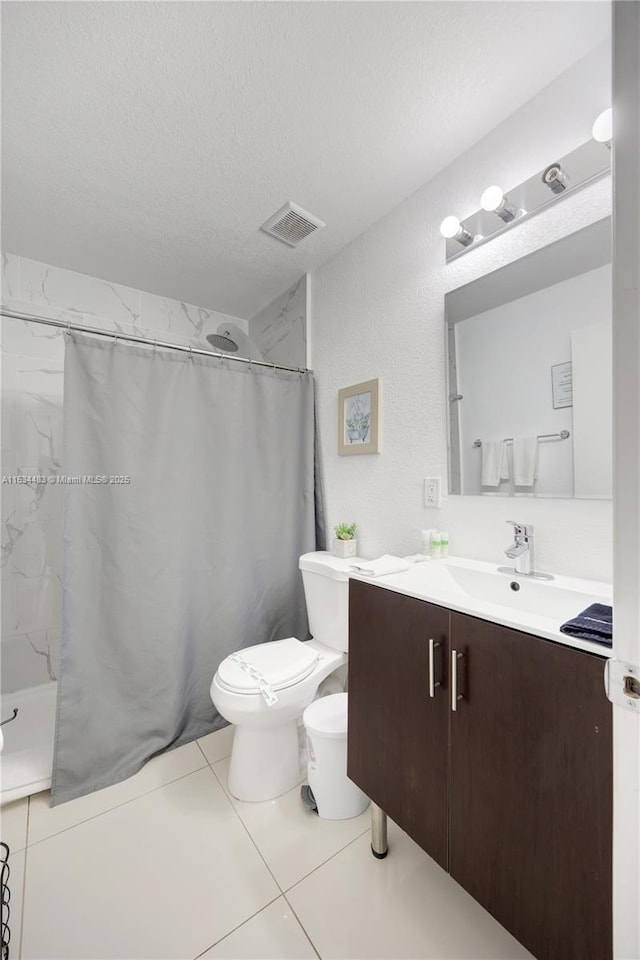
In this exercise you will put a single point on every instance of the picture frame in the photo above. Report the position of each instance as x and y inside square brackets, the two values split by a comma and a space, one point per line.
[359, 419]
[562, 385]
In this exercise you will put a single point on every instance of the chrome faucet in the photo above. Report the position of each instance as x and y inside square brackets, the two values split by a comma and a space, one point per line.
[521, 550]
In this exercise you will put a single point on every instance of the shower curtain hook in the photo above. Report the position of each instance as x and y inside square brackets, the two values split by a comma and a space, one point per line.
[68, 330]
[190, 353]
[155, 344]
[115, 338]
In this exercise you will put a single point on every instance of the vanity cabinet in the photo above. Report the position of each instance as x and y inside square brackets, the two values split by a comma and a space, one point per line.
[511, 792]
[531, 782]
[397, 749]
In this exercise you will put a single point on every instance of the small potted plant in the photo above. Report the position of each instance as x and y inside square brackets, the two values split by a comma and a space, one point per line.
[344, 544]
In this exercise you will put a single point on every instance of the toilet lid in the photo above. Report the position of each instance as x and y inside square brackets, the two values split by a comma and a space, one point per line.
[281, 663]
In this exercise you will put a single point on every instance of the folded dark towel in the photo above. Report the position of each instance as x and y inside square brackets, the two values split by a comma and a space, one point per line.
[594, 623]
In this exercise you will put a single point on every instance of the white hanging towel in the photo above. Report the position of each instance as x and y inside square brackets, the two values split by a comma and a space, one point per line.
[525, 461]
[495, 463]
[383, 565]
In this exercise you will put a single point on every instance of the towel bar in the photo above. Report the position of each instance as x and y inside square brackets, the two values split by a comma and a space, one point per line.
[563, 435]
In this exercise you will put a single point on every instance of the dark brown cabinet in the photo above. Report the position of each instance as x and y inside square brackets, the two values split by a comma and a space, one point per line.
[511, 791]
[398, 753]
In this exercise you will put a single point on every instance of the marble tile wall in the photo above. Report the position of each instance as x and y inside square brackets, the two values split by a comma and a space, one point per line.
[280, 330]
[31, 380]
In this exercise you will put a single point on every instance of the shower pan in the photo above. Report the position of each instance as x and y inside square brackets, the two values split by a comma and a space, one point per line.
[27, 753]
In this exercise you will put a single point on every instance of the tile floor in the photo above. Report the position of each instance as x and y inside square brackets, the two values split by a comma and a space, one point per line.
[168, 865]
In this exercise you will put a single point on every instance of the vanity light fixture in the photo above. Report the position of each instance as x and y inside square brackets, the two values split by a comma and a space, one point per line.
[555, 178]
[500, 211]
[493, 200]
[452, 229]
[602, 129]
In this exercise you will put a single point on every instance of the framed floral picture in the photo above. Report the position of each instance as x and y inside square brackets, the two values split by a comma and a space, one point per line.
[358, 418]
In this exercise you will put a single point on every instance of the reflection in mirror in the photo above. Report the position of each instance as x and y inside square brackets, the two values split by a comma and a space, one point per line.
[529, 374]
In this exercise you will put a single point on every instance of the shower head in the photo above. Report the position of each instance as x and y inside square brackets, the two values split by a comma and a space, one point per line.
[230, 338]
[222, 341]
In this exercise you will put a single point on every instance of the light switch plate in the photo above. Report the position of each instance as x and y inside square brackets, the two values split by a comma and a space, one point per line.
[432, 491]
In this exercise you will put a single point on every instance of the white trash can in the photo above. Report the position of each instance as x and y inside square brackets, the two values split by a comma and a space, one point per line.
[337, 797]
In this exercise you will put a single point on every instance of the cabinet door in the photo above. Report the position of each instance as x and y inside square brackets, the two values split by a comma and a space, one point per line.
[398, 752]
[531, 789]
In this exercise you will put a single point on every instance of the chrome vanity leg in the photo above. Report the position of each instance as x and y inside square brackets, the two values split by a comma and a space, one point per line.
[379, 846]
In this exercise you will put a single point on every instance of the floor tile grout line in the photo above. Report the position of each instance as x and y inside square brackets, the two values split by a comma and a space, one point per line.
[24, 881]
[246, 829]
[304, 877]
[281, 893]
[197, 742]
[302, 927]
[325, 862]
[122, 803]
[237, 813]
[237, 927]
[12, 848]
[206, 736]
[115, 806]
[208, 766]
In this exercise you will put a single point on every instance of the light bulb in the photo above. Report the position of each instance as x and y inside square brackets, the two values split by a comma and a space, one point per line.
[450, 227]
[491, 199]
[602, 129]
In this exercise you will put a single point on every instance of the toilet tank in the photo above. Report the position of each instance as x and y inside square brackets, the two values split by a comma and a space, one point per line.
[326, 591]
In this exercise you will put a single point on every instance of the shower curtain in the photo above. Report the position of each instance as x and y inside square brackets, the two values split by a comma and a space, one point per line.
[188, 498]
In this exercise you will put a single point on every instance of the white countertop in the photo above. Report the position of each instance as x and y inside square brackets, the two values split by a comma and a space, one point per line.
[478, 589]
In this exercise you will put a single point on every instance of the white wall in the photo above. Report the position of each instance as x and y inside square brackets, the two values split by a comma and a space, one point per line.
[280, 329]
[377, 311]
[504, 358]
[31, 392]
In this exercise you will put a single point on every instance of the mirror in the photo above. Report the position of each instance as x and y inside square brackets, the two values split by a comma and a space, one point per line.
[529, 374]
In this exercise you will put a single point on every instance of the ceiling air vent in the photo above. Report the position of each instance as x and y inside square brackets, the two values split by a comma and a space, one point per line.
[291, 224]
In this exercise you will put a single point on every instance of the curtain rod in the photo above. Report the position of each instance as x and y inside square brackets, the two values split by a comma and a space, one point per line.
[116, 335]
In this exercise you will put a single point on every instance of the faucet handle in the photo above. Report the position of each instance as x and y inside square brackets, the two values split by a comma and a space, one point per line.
[521, 529]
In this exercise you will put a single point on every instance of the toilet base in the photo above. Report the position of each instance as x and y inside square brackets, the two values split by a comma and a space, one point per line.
[265, 761]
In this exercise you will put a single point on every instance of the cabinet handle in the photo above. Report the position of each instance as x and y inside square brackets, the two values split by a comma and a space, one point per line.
[455, 696]
[433, 683]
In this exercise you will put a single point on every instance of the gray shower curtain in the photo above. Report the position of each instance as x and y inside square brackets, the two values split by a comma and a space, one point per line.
[187, 551]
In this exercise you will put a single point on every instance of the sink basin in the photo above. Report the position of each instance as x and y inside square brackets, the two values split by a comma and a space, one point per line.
[538, 597]
[477, 588]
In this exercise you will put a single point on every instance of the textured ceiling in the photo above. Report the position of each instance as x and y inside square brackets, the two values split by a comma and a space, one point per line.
[146, 142]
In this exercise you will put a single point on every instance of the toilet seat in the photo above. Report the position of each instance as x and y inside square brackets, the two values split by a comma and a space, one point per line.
[281, 663]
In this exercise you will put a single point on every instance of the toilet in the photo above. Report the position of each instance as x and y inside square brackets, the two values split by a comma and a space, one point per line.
[264, 689]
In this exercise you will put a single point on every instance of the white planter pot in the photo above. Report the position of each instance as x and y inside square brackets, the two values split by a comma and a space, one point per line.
[344, 548]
